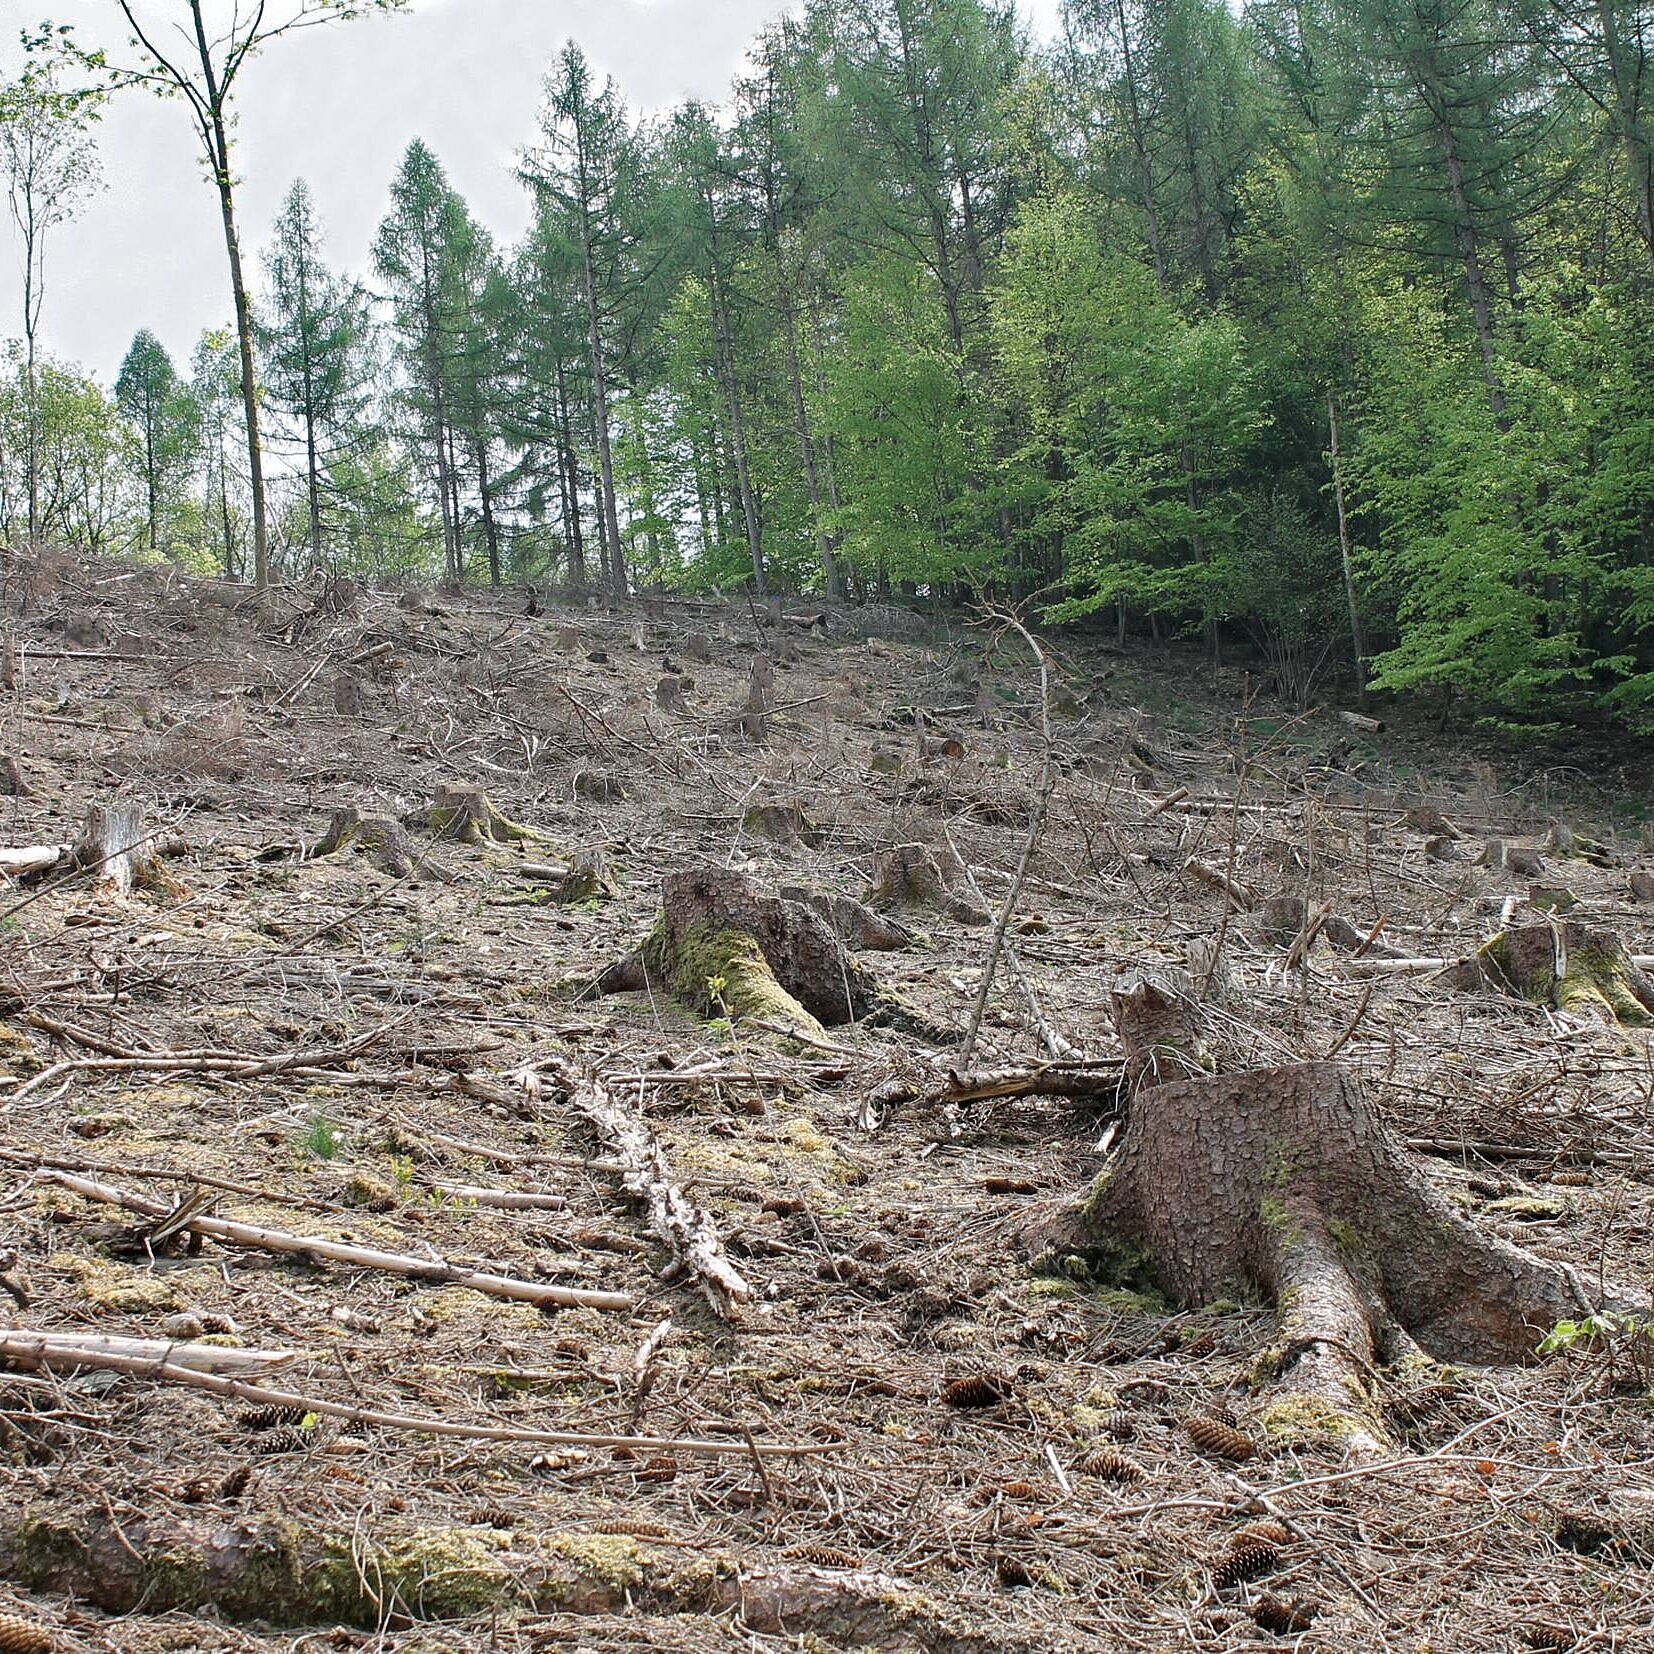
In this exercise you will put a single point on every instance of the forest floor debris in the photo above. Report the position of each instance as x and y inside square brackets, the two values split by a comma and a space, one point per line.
[841, 1405]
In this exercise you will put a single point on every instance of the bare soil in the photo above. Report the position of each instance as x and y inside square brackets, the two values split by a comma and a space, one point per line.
[1512, 1508]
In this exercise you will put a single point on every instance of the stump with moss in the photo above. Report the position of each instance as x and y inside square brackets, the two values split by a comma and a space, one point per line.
[386, 842]
[1567, 965]
[908, 876]
[725, 949]
[1286, 1182]
[119, 854]
[467, 815]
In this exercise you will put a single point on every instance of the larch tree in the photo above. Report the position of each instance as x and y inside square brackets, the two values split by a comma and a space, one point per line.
[314, 326]
[587, 167]
[150, 394]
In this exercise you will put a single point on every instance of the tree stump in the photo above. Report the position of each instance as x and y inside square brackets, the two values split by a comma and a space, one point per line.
[761, 685]
[1287, 1181]
[1568, 965]
[350, 699]
[385, 841]
[698, 647]
[466, 815]
[12, 781]
[782, 824]
[855, 925]
[908, 877]
[669, 695]
[114, 848]
[588, 879]
[723, 949]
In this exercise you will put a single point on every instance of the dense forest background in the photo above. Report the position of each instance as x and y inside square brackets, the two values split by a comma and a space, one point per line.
[1318, 328]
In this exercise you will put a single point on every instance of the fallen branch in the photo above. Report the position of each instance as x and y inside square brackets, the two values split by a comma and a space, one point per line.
[435, 1270]
[25, 1348]
[73, 1358]
[688, 1230]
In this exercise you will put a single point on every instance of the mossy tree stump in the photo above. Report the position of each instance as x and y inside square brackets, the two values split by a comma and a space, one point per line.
[121, 857]
[1568, 965]
[384, 841]
[908, 876]
[1286, 1182]
[467, 815]
[726, 950]
[723, 949]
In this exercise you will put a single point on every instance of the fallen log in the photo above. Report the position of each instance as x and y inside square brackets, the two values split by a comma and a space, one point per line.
[689, 1231]
[27, 861]
[437, 1271]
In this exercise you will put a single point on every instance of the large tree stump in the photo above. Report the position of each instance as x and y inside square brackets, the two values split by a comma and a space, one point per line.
[467, 815]
[724, 949]
[385, 841]
[1287, 1181]
[121, 857]
[1568, 965]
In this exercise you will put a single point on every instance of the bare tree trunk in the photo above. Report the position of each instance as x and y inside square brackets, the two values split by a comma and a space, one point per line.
[724, 345]
[219, 147]
[1358, 640]
[569, 477]
[616, 562]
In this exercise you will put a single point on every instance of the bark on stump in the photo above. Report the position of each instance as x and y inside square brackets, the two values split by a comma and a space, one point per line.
[114, 848]
[467, 815]
[908, 876]
[1568, 965]
[669, 694]
[385, 841]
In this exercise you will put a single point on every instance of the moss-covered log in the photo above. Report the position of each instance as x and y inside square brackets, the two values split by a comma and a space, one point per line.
[277, 1571]
[1568, 965]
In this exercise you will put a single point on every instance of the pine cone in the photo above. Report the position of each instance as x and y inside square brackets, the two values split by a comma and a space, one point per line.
[259, 1419]
[1111, 1466]
[1557, 1637]
[287, 1438]
[24, 1636]
[979, 1390]
[1214, 1436]
[1283, 1619]
[821, 1556]
[1013, 1571]
[1271, 1533]
[1246, 1559]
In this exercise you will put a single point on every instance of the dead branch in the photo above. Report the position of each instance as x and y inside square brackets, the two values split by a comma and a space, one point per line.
[436, 1271]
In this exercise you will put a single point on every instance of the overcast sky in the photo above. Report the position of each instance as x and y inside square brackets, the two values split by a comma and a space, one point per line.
[338, 105]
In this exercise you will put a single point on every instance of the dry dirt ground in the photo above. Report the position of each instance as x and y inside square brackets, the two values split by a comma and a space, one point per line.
[1515, 1508]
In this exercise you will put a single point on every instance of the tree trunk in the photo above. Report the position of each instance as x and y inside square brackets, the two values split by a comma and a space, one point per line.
[724, 346]
[569, 477]
[490, 528]
[244, 333]
[616, 563]
[1357, 638]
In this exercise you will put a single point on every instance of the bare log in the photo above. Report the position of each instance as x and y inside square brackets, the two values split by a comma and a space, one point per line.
[28, 861]
[437, 1271]
[689, 1231]
[64, 1351]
